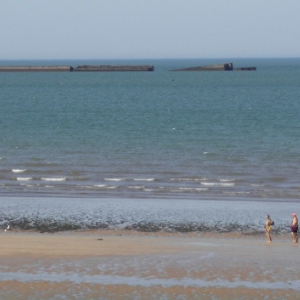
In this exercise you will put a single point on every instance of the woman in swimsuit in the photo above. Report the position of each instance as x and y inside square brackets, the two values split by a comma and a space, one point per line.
[294, 228]
[268, 228]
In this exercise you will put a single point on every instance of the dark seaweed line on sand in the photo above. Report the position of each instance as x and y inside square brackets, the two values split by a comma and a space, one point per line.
[51, 225]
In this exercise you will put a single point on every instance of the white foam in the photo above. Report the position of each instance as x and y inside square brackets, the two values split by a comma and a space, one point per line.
[176, 191]
[18, 170]
[226, 180]
[136, 187]
[54, 179]
[217, 184]
[188, 179]
[181, 190]
[143, 179]
[24, 178]
[104, 186]
[193, 189]
[114, 179]
[86, 186]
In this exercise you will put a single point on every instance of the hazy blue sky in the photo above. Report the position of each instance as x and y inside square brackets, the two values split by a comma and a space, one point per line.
[50, 29]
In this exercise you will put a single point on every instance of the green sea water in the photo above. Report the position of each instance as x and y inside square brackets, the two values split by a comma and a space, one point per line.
[160, 134]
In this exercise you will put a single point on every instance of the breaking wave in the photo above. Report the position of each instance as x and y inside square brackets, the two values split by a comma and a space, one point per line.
[18, 170]
[54, 179]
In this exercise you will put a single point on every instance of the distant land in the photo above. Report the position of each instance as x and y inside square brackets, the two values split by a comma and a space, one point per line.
[118, 68]
[84, 68]
[218, 67]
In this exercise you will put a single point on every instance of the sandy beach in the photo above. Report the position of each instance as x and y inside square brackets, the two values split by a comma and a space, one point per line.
[130, 265]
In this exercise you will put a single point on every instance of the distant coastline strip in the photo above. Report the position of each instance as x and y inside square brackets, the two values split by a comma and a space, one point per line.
[84, 68]
[218, 67]
[36, 68]
[117, 68]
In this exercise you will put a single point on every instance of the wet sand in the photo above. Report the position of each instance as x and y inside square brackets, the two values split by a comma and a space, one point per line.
[131, 265]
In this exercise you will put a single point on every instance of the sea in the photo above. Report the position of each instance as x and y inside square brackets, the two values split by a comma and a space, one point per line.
[162, 150]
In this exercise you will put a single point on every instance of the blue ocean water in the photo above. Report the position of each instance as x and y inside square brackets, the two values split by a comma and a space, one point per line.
[158, 134]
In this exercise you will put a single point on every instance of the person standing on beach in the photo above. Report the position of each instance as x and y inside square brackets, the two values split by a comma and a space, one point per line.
[294, 228]
[269, 224]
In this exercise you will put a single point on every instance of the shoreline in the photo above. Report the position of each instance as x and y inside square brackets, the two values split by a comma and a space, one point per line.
[235, 235]
[144, 215]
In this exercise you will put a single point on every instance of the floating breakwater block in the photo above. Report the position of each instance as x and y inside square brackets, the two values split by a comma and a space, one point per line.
[116, 68]
[35, 68]
[217, 67]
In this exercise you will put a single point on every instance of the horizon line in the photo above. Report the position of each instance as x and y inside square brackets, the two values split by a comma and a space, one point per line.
[161, 58]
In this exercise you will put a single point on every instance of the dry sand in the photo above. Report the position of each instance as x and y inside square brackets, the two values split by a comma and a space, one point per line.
[126, 265]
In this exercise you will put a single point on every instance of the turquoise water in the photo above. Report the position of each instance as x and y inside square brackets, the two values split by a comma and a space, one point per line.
[161, 134]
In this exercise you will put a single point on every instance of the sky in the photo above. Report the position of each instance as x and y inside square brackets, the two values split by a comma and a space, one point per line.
[141, 29]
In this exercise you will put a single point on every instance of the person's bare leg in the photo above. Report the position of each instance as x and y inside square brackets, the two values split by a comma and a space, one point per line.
[295, 237]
